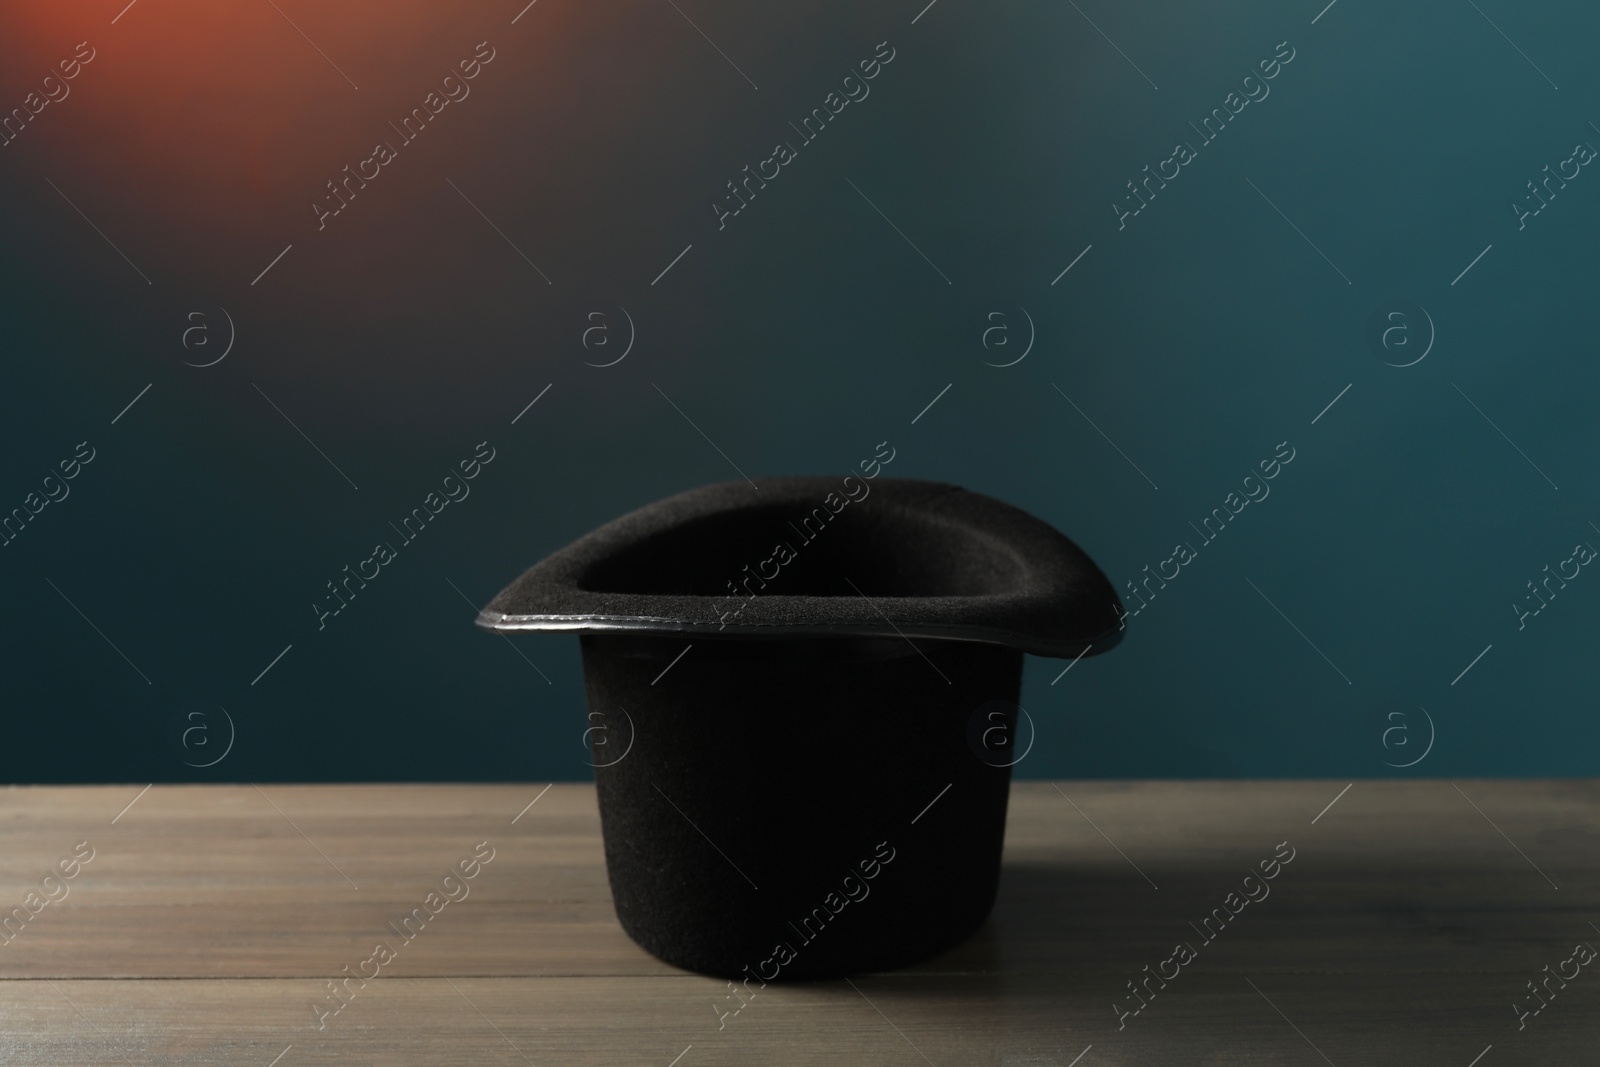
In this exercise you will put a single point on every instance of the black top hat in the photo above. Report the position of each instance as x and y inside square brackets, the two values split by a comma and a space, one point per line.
[802, 664]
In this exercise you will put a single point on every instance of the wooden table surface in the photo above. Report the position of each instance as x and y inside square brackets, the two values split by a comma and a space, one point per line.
[210, 920]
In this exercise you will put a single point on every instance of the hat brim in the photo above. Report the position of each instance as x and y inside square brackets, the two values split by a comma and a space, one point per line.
[807, 557]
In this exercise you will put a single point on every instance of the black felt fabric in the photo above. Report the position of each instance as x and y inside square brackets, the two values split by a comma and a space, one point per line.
[806, 794]
[910, 557]
[759, 782]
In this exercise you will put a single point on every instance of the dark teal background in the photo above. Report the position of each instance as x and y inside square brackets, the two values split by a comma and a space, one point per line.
[808, 330]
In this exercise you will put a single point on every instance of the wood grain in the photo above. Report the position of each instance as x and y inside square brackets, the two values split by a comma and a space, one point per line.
[211, 918]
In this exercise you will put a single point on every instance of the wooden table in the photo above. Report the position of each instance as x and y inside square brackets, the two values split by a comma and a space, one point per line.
[211, 919]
